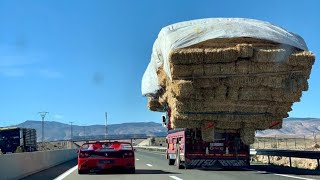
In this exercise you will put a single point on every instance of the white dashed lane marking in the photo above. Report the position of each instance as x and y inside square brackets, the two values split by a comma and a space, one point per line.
[175, 178]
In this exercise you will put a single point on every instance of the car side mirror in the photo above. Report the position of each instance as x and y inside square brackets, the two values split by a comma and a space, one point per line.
[164, 121]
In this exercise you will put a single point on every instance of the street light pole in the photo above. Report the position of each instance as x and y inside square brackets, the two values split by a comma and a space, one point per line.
[43, 115]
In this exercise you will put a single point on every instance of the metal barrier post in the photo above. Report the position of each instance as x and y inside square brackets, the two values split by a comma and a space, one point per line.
[268, 159]
[290, 161]
[318, 164]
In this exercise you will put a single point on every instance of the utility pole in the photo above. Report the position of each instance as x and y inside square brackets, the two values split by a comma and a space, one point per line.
[106, 133]
[43, 115]
[71, 131]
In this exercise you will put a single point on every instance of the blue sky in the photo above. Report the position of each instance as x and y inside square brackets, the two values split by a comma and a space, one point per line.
[78, 59]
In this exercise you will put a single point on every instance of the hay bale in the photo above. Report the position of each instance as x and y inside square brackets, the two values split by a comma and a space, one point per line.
[187, 56]
[278, 55]
[178, 123]
[207, 83]
[219, 69]
[178, 71]
[223, 116]
[232, 94]
[245, 50]
[163, 100]
[194, 94]
[247, 134]
[221, 93]
[228, 124]
[162, 77]
[252, 81]
[255, 94]
[242, 66]
[220, 55]
[305, 59]
[257, 68]
[181, 87]
[280, 95]
[154, 105]
[211, 106]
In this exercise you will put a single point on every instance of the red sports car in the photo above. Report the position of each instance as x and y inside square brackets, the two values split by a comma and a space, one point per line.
[106, 156]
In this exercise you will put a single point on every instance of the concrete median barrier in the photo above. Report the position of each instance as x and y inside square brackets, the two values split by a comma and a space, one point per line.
[19, 165]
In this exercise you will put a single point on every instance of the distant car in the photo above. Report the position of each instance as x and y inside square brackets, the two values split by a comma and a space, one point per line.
[101, 156]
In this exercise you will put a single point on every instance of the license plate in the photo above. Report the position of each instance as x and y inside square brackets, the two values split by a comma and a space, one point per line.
[105, 162]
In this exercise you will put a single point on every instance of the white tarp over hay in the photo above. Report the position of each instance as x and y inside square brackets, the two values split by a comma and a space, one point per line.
[184, 34]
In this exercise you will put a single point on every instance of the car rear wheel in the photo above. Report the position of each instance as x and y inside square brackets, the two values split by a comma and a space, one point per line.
[80, 171]
[132, 170]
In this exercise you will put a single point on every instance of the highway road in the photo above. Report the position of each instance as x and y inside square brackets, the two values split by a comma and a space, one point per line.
[154, 166]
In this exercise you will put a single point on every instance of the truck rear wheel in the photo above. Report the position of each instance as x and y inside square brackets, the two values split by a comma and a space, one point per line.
[171, 161]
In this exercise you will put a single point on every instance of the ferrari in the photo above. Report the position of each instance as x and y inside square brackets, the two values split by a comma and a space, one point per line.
[101, 156]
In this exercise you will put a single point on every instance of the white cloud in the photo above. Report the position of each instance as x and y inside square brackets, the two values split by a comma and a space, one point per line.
[50, 73]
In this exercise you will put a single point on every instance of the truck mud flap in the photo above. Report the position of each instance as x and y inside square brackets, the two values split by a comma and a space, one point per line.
[215, 163]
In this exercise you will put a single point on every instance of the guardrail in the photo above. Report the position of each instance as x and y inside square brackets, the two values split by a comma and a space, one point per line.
[163, 149]
[152, 148]
[264, 152]
[290, 154]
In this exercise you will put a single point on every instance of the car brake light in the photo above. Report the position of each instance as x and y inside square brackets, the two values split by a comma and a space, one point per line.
[83, 155]
[129, 154]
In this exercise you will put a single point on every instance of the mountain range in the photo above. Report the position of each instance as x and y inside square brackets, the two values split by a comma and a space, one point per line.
[61, 131]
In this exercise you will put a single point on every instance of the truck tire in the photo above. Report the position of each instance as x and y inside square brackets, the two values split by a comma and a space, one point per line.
[171, 161]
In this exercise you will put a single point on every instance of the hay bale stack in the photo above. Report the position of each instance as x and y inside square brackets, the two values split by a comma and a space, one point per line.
[245, 83]
[154, 105]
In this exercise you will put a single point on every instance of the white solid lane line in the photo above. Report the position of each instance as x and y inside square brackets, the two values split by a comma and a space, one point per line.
[295, 177]
[149, 165]
[283, 175]
[175, 178]
[65, 174]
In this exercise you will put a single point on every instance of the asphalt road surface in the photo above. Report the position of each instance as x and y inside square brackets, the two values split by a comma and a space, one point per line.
[154, 166]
